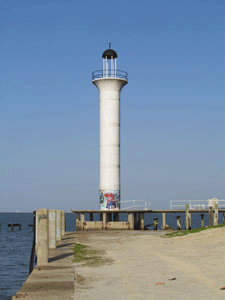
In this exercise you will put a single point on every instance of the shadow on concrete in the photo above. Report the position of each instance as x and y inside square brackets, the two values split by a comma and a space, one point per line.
[58, 257]
[67, 238]
[65, 245]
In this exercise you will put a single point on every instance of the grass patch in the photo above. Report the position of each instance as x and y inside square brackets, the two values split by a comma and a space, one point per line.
[88, 257]
[186, 232]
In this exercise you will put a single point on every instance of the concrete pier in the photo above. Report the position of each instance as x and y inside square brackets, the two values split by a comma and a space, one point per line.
[63, 225]
[42, 236]
[52, 228]
[127, 257]
[58, 225]
[110, 220]
[131, 221]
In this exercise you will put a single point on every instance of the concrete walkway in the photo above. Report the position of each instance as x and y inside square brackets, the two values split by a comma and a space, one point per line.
[134, 265]
[145, 265]
[54, 281]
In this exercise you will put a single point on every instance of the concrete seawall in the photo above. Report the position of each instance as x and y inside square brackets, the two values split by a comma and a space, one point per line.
[54, 280]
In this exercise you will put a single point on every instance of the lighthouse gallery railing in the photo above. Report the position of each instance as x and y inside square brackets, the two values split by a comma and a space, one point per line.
[109, 74]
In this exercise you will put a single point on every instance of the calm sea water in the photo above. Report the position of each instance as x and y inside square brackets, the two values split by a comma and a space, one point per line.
[15, 247]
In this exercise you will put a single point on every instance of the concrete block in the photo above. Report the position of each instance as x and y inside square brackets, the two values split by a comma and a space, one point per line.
[92, 225]
[117, 225]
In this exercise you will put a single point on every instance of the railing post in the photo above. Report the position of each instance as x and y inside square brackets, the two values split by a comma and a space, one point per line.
[42, 236]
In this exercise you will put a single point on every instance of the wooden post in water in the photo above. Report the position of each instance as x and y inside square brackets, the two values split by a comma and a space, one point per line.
[138, 221]
[155, 223]
[135, 221]
[115, 217]
[202, 221]
[42, 237]
[210, 216]
[109, 217]
[215, 215]
[163, 221]
[188, 217]
[178, 223]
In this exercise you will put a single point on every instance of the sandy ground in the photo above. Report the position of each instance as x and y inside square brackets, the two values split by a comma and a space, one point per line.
[141, 259]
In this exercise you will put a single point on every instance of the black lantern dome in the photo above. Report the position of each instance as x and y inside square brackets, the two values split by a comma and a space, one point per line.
[109, 53]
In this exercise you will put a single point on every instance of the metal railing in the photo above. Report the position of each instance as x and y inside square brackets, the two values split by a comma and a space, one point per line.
[196, 204]
[135, 204]
[109, 74]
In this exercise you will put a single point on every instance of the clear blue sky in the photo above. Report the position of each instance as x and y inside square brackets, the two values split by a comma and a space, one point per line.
[172, 110]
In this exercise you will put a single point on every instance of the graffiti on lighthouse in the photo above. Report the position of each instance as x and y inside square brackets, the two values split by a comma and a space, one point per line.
[109, 199]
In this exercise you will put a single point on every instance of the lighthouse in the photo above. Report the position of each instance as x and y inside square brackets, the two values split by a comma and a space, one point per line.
[109, 82]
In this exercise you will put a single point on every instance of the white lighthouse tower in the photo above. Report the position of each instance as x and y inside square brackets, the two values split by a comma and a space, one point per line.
[109, 82]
